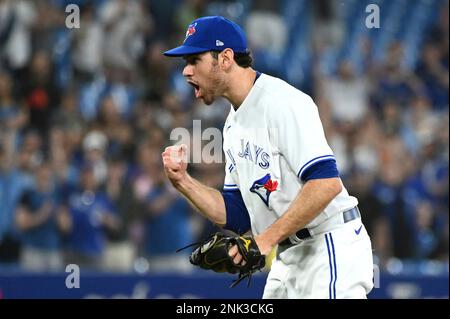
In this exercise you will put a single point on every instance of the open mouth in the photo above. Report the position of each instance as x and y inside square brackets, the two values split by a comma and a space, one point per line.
[196, 88]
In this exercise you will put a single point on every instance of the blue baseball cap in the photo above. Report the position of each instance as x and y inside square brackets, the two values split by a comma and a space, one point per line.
[213, 33]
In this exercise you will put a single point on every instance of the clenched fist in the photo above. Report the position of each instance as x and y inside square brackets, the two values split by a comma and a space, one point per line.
[175, 163]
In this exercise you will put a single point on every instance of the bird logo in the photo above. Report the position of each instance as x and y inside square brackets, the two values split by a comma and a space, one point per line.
[190, 31]
[263, 187]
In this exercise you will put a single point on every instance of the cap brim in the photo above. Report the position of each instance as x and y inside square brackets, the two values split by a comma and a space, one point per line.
[185, 50]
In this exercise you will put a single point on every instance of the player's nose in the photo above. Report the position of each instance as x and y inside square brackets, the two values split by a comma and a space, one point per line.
[188, 71]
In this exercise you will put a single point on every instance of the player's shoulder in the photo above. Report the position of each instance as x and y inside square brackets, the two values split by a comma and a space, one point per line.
[280, 89]
[280, 94]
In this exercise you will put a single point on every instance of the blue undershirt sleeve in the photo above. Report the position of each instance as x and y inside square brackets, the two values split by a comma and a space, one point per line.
[324, 169]
[238, 219]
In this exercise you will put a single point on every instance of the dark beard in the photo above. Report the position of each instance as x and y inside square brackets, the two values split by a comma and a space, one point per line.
[217, 83]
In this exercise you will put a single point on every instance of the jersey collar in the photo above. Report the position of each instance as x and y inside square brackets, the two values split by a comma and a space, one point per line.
[251, 96]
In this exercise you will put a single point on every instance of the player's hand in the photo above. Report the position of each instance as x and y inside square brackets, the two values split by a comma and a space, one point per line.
[237, 257]
[175, 163]
[264, 247]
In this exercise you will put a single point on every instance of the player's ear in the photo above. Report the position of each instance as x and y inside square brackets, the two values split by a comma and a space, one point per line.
[226, 58]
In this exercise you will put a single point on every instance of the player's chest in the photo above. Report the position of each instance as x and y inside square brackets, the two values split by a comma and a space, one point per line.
[248, 153]
[255, 164]
[249, 149]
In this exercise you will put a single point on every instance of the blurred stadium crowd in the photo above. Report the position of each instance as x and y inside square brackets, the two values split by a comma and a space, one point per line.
[86, 112]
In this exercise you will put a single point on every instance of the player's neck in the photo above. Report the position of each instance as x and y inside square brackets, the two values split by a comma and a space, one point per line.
[239, 86]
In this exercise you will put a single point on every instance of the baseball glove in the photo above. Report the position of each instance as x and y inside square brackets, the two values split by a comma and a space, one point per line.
[213, 254]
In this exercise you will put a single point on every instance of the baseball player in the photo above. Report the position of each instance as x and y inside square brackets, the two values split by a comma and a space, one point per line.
[281, 179]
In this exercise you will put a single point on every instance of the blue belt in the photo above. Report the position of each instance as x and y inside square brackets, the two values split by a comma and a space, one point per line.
[304, 233]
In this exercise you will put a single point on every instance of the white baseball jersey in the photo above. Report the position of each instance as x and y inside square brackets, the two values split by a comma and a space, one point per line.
[269, 141]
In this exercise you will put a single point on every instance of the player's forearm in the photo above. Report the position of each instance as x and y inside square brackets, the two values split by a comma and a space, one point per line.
[207, 200]
[310, 202]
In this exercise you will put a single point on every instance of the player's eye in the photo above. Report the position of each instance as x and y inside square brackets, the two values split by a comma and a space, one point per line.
[192, 60]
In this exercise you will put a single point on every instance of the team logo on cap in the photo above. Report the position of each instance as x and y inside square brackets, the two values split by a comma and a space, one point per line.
[263, 187]
[190, 31]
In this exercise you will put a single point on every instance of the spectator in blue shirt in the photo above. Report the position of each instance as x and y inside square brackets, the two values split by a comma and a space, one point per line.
[40, 221]
[92, 214]
[13, 182]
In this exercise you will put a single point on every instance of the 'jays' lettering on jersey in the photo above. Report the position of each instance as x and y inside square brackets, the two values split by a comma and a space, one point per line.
[269, 142]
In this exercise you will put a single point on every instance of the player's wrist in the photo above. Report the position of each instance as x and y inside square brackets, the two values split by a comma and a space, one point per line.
[183, 183]
[264, 244]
